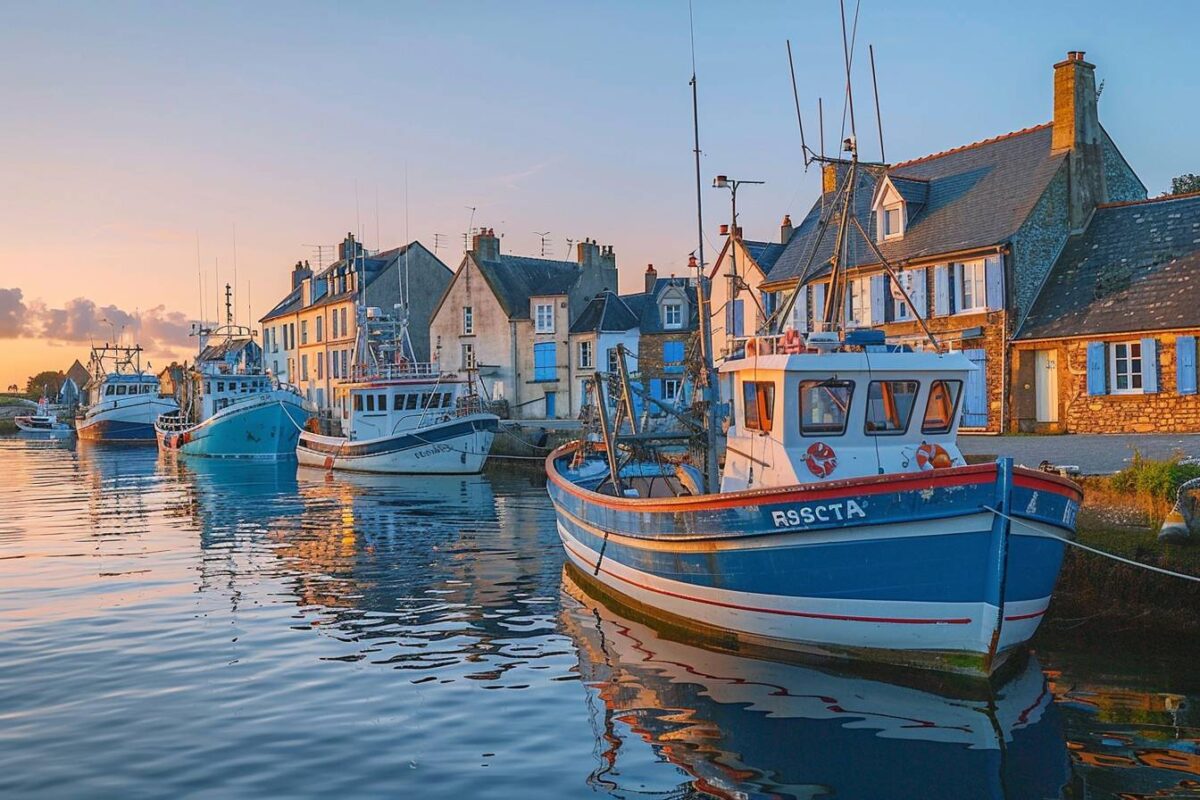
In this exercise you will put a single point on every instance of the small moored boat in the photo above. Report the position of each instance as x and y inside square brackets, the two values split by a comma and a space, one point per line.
[124, 400]
[43, 422]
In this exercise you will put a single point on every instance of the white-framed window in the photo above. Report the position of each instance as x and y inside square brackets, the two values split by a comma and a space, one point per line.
[970, 286]
[468, 356]
[671, 387]
[891, 222]
[1125, 367]
[468, 321]
[858, 301]
[544, 318]
[672, 315]
[585, 355]
[613, 360]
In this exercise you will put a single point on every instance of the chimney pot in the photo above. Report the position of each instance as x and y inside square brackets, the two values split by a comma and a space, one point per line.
[725, 229]
[651, 277]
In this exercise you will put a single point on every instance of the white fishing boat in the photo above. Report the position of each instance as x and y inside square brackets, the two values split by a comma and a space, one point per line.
[402, 416]
[124, 401]
[229, 407]
[44, 422]
[839, 518]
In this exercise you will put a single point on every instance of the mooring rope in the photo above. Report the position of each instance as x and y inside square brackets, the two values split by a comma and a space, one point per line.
[1113, 556]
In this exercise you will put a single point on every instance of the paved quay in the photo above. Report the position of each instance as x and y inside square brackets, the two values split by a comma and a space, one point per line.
[1094, 454]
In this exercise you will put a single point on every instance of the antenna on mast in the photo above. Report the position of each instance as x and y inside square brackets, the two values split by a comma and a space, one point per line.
[796, 98]
[437, 241]
[878, 116]
[235, 262]
[544, 237]
[847, 50]
[200, 278]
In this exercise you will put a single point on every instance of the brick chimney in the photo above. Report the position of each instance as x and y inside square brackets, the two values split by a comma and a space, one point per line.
[485, 245]
[587, 253]
[1076, 131]
[299, 273]
[651, 277]
[829, 178]
[785, 229]
[608, 259]
[349, 249]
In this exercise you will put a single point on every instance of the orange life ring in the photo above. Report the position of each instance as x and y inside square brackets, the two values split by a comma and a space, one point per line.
[933, 456]
[821, 459]
[793, 342]
[751, 348]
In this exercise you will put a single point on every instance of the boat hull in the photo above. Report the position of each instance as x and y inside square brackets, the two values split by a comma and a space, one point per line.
[457, 447]
[266, 428]
[113, 421]
[910, 569]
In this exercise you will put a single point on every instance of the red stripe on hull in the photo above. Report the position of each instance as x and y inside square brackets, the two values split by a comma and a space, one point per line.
[783, 612]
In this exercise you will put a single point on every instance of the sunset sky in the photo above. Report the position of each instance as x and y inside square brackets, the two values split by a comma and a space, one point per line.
[130, 130]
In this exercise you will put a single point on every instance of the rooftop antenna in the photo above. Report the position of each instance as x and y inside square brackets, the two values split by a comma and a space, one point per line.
[470, 225]
[544, 237]
[821, 124]
[437, 241]
[320, 248]
[228, 304]
[200, 278]
[878, 116]
[570, 246]
[234, 264]
[796, 98]
[848, 55]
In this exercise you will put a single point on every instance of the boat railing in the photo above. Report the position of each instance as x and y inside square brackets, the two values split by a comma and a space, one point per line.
[407, 369]
[173, 421]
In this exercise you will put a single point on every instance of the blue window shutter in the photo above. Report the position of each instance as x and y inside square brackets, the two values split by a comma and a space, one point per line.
[918, 293]
[941, 290]
[994, 273]
[739, 317]
[1150, 366]
[1185, 364]
[656, 388]
[1095, 368]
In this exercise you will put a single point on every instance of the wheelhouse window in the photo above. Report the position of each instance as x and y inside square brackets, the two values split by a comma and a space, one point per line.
[941, 406]
[358, 402]
[758, 405]
[1126, 367]
[370, 402]
[544, 317]
[383, 402]
[410, 402]
[398, 402]
[121, 390]
[825, 406]
[890, 406]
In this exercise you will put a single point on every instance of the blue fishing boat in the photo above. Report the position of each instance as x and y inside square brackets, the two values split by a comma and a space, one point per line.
[123, 400]
[838, 518]
[229, 407]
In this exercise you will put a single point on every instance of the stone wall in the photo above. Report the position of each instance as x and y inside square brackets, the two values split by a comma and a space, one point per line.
[1037, 244]
[1121, 181]
[1164, 411]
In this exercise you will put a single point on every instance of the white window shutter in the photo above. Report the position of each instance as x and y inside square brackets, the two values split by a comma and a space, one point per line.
[818, 312]
[879, 298]
[956, 281]
[995, 282]
[799, 318]
[941, 290]
[917, 292]
[1150, 366]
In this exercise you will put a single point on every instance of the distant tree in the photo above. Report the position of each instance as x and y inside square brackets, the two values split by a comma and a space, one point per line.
[13, 388]
[1185, 184]
[49, 381]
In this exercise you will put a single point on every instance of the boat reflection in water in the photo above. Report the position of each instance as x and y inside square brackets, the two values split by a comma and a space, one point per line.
[750, 728]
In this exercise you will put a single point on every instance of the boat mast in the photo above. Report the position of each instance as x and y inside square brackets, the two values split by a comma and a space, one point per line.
[708, 376]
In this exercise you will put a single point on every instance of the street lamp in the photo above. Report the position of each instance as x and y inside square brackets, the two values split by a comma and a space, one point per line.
[732, 184]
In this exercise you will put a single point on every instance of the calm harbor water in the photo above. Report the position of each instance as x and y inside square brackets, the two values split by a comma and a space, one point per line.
[208, 629]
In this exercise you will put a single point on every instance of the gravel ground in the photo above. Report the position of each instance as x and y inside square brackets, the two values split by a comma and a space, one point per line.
[1094, 454]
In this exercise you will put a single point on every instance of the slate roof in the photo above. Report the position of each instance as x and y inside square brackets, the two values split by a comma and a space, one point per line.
[78, 373]
[1135, 268]
[915, 191]
[605, 312]
[287, 305]
[765, 254]
[515, 279]
[977, 195]
[645, 306]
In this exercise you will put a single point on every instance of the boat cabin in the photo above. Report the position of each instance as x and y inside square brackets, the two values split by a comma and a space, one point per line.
[829, 409]
[115, 386]
[221, 391]
[384, 408]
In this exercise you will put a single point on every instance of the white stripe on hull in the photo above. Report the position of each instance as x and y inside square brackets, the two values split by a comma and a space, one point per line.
[816, 621]
[462, 455]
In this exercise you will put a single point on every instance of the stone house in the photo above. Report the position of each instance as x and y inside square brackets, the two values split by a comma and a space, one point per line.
[310, 336]
[668, 319]
[1110, 343]
[605, 323]
[973, 232]
[510, 317]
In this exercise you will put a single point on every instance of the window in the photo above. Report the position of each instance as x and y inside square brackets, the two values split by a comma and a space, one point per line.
[671, 388]
[468, 356]
[303, 367]
[109, 390]
[370, 402]
[940, 408]
[321, 328]
[220, 386]
[121, 390]
[333, 320]
[890, 406]
[971, 287]
[858, 301]
[468, 327]
[410, 402]
[585, 355]
[382, 402]
[303, 331]
[544, 362]
[320, 366]
[424, 400]
[824, 406]
[893, 224]
[672, 315]
[345, 361]
[335, 362]
[544, 318]
[398, 402]
[614, 360]
[1125, 367]
[358, 404]
[672, 356]
[758, 405]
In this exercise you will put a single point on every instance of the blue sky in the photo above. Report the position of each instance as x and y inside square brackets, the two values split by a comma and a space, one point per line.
[130, 128]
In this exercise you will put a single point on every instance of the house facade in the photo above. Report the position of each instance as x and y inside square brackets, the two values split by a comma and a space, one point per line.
[605, 324]
[1110, 344]
[510, 318]
[309, 337]
[973, 233]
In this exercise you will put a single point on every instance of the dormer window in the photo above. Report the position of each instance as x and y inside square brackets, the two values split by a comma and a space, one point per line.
[892, 220]
[672, 315]
[544, 318]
